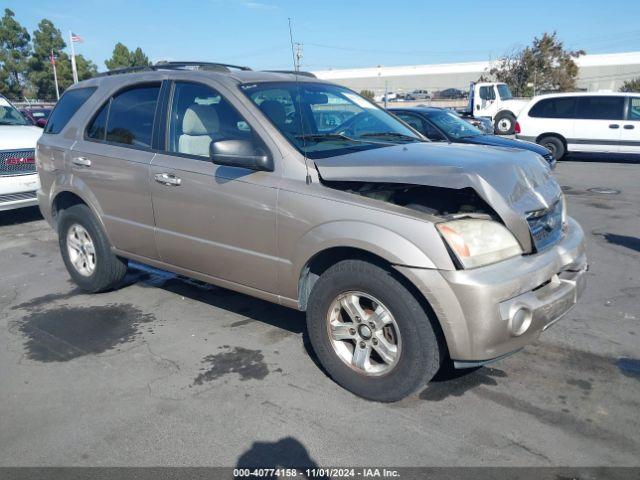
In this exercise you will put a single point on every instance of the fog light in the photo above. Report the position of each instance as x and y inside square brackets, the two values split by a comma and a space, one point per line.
[520, 321]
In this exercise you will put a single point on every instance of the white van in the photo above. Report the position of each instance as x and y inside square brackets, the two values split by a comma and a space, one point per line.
[18, 178]
[583, 122]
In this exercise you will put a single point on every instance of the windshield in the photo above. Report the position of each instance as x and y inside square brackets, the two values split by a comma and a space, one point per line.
[9, 115]
[504, 92]
[452, 125]
[326, 120]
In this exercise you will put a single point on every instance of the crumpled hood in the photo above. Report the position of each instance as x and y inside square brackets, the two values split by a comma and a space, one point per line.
[513, 182]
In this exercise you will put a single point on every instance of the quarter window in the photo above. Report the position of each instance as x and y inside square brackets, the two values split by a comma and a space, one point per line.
[562, 107]
[97, 129]
[67, 106]
[600, 108]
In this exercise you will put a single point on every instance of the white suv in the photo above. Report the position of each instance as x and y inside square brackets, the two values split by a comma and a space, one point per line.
[18, 177]
[583, 122]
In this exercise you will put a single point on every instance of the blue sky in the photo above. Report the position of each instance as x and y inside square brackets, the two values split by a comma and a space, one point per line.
[335, 34]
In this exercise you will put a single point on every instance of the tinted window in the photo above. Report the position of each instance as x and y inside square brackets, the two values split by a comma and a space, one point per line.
[634, 108]
[600, 108]
[562, 107]
[423, 126]
[454, 126]
[505, 93]
[199, 116]
[413, 120]
[130, 119]
[487, 93]
[97, 128]
[67, 106]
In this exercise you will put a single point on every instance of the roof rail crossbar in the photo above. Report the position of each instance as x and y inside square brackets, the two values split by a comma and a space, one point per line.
[221, 67]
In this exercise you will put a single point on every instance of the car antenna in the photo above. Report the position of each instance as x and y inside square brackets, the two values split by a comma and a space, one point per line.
[295, 72]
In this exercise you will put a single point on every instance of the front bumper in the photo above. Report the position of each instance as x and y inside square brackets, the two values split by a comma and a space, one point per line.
[17, 191]
[477, 308]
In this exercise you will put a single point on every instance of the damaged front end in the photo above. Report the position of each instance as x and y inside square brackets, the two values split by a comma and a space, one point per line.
[494, 203]
[436, 201]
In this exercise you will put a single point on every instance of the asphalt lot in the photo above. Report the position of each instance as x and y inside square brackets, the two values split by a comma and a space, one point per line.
[168, 371]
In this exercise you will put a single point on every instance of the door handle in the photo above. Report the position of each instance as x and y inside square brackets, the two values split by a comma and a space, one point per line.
[629, 127]
[614, 126]
[168, 179]
[81, 162]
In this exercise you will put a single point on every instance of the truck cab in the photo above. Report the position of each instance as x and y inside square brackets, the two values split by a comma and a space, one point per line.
[494, 100]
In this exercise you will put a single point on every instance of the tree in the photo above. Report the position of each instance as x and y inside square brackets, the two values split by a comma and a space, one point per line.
[632, 85]
[545, 66]
[46, 39]
[122, 57]
[15, 48]
[368, 94]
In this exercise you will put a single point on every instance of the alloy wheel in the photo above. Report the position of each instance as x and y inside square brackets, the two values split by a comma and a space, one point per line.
[363, 333]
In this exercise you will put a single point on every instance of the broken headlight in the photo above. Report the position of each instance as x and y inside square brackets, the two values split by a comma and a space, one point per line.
[478, 242]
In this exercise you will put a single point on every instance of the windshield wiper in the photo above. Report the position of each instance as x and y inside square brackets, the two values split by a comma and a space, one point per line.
[319, 137]
[393, 135]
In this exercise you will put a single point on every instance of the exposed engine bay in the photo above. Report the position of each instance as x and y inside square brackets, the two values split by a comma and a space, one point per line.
[438, 201]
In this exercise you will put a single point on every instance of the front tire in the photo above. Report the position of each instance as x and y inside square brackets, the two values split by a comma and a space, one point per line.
[370, 333]
[86, 251]
[505, 123]
[554, 145]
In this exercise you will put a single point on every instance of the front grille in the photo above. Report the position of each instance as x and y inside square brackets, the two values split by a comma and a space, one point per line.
[12, 197]
[546, 226]
[17, 162]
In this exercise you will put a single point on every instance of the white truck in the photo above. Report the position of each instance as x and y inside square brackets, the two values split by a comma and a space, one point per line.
[18, 178]
[494, 100]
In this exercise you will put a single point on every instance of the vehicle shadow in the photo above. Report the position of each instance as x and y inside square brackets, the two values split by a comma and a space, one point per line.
[602, 158]
[253, 309]
[286, 453]
[19, 215]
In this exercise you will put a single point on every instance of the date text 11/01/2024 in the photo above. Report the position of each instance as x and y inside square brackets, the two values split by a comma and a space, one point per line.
[316, 472]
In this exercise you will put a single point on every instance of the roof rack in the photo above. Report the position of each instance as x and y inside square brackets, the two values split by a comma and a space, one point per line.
[210, 66]
[294, 72]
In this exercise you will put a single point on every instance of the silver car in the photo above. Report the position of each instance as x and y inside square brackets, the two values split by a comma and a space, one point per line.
[405, 254]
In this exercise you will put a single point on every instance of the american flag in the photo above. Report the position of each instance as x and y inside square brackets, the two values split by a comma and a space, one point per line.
[76, 38]
[52, 58]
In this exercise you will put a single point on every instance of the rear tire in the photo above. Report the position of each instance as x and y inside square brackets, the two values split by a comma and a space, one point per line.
[554, 145]
[408, 328]
[86, 251]
[505, 123]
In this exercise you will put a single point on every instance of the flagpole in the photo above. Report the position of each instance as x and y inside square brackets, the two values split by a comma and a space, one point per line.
[74, 70]
[55, 75]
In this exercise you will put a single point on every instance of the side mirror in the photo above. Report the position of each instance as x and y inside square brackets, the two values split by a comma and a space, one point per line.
[41, 122]
[239, 153]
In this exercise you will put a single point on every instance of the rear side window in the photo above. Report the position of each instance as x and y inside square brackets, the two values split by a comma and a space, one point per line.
[634, 108]
[600, 108]
[131, 116]
[67, 106]
[127, 118]
[562, 107]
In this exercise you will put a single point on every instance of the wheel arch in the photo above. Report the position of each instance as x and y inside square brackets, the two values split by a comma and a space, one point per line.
[65, 198]
[324, 259]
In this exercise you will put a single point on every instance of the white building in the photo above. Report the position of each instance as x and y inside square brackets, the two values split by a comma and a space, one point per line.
[596, 72]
